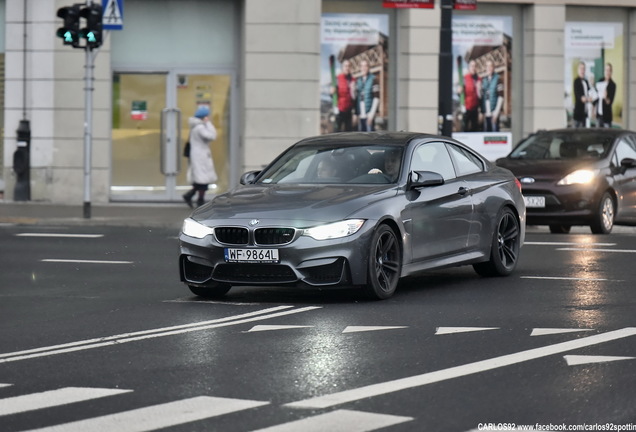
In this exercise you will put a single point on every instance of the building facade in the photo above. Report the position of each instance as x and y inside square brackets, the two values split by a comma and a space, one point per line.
[264, 67]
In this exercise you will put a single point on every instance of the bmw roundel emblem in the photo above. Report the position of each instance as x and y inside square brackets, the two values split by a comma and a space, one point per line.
[526, 180]
[254, 222]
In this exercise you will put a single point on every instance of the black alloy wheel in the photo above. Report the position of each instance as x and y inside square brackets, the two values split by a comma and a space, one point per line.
[385, 263]
[504, 253]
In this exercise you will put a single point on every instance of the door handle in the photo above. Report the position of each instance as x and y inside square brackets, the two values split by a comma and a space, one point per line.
[463, 191]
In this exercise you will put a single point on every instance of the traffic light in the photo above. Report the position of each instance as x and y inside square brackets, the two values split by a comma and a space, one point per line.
[93, 30]
[70, 32]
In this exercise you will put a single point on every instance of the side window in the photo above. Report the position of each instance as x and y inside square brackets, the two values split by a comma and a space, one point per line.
[433, 157]
[625, 149]
[466, 162]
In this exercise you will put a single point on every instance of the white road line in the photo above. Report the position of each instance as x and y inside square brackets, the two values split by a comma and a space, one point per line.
[357, 329]
[451, 330]
[457, 371]
[146, 334]
[340, 421]
[142, 332]
[573, 360]
[52, 398]
[158, 416]
[582, 245]
[260, 328]
[598, 250]
[77, 261]
[60, 235]
[553, 331]
[563, 278]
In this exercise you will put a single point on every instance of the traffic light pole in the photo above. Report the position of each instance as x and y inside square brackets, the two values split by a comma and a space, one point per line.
[88, 129]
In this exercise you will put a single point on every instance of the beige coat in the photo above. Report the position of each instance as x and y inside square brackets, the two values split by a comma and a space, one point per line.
[201, 170]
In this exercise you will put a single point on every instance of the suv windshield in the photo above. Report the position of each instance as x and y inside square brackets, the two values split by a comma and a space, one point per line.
[346, 164]
[571, 145]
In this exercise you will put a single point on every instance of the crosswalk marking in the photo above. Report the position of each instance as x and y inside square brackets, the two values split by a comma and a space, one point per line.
[4, 385]
[340, 421]
[158, 416]
[383, 388]
[51, 398]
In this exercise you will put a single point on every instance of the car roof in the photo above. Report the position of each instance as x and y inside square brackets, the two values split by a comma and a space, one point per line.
[576, 131]
[369, 138]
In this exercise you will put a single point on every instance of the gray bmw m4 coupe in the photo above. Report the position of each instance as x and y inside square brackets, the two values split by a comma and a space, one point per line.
[356, 210]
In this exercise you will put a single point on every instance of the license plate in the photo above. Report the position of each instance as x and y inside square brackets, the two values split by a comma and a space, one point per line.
[534, 201]
[251, 255]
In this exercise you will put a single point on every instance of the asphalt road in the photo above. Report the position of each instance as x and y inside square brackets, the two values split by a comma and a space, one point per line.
[98, 334]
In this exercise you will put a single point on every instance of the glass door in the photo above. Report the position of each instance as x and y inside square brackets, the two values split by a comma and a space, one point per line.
[150, 127]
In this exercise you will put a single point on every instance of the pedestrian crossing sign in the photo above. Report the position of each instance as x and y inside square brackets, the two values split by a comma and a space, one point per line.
[113, 18]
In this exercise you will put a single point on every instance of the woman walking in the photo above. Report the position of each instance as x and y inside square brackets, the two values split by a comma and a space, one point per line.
[201, 171]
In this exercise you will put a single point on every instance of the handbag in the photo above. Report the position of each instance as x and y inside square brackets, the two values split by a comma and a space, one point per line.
[186, 149]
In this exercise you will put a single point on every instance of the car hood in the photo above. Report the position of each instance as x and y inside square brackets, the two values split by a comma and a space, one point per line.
[545, 168]
[298, 204]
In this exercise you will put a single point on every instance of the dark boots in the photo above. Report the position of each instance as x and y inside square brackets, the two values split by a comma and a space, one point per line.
[187, 197]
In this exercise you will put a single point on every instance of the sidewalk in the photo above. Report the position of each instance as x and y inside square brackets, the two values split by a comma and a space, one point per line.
[166, 215]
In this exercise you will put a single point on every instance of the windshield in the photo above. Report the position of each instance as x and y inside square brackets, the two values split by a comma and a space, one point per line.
[364, 164]
[584, 144]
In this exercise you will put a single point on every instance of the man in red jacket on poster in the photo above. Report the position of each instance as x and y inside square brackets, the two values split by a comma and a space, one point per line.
[345, 91]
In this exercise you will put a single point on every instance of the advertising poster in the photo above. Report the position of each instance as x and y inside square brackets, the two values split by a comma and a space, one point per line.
[482, 76]
[354, 72]
[594, 79]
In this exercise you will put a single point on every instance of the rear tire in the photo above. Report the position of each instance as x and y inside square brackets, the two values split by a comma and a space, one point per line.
[603, 220]
[385, 264]
[560, 229]
[504, 251]
[210, 292]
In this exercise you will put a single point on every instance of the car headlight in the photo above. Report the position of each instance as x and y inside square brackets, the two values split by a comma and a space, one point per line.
[194, 229]
[334, 230]
[582, 176]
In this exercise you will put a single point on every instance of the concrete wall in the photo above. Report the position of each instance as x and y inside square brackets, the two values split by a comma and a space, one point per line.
[281, 87]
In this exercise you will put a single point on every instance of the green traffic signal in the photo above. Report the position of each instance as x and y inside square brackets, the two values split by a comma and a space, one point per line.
[93, 30]
[70, 32]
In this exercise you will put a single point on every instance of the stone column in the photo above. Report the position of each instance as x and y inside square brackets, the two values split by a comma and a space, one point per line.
[418, 59]
[281, 77]
[543, 66]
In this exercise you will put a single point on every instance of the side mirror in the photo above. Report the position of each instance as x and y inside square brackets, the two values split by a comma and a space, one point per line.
[419, 179]
[249, 177]
[628, 163]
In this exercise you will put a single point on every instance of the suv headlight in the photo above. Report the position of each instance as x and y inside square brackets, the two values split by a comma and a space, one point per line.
[334, 230]
[582, 176]
[194, 229]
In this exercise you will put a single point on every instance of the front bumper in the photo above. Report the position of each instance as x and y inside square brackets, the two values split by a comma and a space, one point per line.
[571, 205]
[305, 261]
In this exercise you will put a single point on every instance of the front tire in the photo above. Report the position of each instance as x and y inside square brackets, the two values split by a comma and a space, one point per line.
[210, 292]
[504, 251]
[385, 264]
[603, 220]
